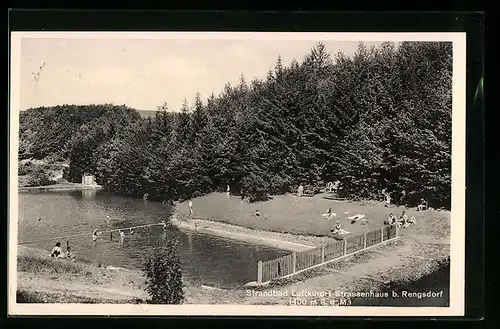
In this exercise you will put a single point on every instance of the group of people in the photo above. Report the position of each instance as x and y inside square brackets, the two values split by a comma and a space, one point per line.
[57, 249]
[423, 205]
[403, 220]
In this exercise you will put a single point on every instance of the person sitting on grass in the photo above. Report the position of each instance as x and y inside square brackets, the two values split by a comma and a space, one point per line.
[69, 255]
[56, 251]
[337, 229]
[392, 220]
[412, 221]
[329, 214]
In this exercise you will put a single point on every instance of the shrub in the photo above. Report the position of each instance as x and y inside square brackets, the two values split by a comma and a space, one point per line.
[279, 184]
[163, 274]
[23, 297]
[40, 178]
[255, 188]
[23, 169]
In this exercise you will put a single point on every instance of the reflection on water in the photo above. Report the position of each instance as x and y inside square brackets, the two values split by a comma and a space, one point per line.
[55, 215]
[89, 194]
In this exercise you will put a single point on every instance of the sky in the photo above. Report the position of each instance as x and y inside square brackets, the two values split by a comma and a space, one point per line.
[145, 73]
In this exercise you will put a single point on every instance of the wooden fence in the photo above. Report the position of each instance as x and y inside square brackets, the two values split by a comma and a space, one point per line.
[300, 261]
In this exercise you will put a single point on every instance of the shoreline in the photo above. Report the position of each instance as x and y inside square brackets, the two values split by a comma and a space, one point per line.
[60, 187]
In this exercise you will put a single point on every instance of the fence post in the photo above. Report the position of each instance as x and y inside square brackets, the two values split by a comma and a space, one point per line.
[382, 238]
[345, 246]
[294, 262]
[259, 272]
[322, 254]
[364, 241]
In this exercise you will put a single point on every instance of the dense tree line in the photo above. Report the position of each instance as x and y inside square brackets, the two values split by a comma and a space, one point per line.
[380, 119]
[71, 132]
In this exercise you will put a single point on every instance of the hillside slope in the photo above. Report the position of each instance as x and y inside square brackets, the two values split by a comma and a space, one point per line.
[48, 131]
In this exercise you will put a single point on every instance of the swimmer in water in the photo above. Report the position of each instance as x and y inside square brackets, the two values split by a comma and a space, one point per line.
[122, 236]
[95, 234]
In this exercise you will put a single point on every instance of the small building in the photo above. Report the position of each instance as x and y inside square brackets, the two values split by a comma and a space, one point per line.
[88, 179]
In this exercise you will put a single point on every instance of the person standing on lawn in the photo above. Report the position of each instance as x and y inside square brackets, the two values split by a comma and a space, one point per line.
[300, 190]
[387, 200]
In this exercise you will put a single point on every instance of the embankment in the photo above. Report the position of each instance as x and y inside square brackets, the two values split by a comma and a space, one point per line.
[41, 279]
[282, 241]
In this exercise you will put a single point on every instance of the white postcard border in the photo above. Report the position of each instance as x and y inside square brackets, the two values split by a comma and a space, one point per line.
[457, 236]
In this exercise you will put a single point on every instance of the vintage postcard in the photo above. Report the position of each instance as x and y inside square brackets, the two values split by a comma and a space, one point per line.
[223, 173]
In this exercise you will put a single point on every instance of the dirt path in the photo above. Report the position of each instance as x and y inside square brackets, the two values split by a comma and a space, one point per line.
[364, 272]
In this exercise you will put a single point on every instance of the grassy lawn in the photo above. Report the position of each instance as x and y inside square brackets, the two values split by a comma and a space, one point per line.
[291, 214]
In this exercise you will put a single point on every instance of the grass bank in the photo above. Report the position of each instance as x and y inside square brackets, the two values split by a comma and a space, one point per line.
[419, 253]
[289, 214]
[41, 279]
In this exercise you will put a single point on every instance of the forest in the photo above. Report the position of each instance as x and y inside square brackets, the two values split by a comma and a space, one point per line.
[380, 119]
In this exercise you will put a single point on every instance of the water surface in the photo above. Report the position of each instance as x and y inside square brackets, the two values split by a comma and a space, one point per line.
[53, 215]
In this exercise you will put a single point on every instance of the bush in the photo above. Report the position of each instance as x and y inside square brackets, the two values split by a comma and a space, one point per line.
[255, 188]
[279, 185]
[24, 169]
[40, 178]
[163, 274]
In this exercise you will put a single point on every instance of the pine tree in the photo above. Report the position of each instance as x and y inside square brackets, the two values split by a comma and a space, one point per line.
[199, 118]
[163, 274]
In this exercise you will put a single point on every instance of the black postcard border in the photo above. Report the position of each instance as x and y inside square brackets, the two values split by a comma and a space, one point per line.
[470, 22]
